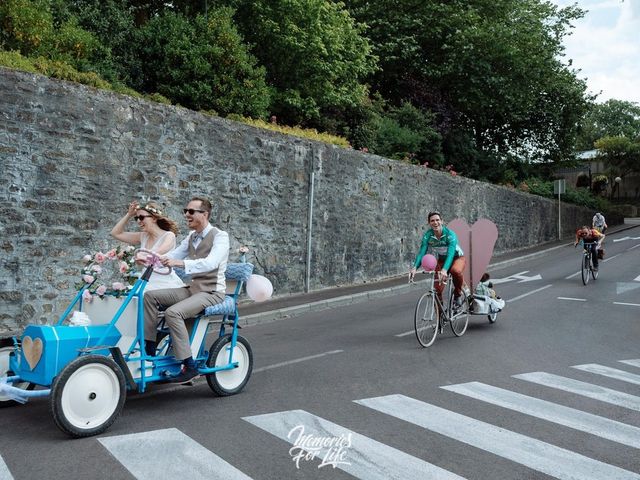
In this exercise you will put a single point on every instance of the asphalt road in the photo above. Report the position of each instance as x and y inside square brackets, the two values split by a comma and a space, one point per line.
[505, 401]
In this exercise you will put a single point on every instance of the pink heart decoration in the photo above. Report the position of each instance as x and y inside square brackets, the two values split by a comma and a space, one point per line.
[477, 242]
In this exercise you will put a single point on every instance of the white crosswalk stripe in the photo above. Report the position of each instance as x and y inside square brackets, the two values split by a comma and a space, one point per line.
[535, 454]
[634, 362]
[365, 458]
[609, 372]
[168, 453]
[5, 474]
[552, 412]
[585, 389]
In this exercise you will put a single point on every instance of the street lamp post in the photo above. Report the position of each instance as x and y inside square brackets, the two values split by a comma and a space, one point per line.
[618, 180]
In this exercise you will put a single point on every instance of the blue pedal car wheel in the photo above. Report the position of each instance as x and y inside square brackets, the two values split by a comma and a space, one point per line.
[229, 382]
[88, 395]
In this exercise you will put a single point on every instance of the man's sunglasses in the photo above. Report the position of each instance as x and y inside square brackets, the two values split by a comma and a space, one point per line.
[141, 218]
[192, 211]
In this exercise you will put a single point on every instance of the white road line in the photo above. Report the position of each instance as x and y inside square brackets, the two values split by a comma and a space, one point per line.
[297, 360]
[573, 275]
[635, 246]
[535, 454]
[637, 279]
[634, 362]
[5, 474]
[364, 458]
[168, 453]
[585, 389]
[574, 299]
[609, 372]
[629, 304]
[610, 258]
[528, 293]
[200, 380]
[404, 334]
[552, 412]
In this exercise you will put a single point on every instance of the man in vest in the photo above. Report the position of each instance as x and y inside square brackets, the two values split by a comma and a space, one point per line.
[203, 255]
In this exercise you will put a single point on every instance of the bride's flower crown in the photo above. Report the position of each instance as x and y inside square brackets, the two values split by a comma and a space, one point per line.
[152, 209]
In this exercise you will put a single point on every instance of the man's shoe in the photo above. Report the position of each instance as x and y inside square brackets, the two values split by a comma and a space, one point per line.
[457, 301]
[187, 375]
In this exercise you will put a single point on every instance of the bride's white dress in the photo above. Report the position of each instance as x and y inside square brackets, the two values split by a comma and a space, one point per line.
[157, 281]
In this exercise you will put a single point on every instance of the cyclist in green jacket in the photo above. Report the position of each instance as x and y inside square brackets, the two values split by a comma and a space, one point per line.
[443, 244]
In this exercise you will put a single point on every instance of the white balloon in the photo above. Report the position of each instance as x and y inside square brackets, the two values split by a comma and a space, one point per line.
[259, 288]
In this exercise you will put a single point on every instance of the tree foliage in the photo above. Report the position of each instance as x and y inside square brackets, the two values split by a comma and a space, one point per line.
[620, 153]
[609, 119]
[314, 55]
[202, 64]
[486, 67]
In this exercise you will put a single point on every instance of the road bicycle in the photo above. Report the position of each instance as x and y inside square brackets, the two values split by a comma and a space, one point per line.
[432, 313]
[586, 264]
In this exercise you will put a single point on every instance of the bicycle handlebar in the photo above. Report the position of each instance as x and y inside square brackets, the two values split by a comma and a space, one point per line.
[153, 262]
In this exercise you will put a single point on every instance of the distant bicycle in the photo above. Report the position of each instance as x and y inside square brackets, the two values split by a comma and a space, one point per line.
[433, 314]
[586, 264]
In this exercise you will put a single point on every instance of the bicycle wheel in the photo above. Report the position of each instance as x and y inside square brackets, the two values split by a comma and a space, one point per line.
[426, 320]
[460, 316]
[594, 273]
[584, 266]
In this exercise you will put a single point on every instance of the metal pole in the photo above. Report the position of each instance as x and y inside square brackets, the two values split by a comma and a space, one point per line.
[559, 213]
[309, 228]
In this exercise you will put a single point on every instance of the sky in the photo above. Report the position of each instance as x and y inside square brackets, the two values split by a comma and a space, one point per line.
[605, 47]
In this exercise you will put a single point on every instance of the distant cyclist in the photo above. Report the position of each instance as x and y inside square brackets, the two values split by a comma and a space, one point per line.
[443, 244]
[594, 238]
[599, 223]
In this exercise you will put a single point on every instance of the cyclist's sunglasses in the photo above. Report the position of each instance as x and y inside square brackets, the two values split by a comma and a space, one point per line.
[192, 211]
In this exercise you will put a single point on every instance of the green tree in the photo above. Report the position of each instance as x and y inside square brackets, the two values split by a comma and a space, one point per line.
[314, 53]
[202, 64]
[620, 154]
[489, 68]
[28, 26]
[113, 24]
[609, 119]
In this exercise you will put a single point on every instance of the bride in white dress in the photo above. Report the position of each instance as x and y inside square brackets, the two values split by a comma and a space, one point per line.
[157, 234]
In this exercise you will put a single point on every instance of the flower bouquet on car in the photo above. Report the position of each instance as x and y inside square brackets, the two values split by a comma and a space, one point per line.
[110, 273]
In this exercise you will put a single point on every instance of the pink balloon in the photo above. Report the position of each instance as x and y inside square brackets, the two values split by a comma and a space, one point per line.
[429, 263]
[259, 288]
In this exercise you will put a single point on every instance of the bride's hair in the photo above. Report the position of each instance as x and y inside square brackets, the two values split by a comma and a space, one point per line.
[165, 223]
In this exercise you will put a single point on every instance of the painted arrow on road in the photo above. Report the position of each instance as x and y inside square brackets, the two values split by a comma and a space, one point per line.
[517, 276]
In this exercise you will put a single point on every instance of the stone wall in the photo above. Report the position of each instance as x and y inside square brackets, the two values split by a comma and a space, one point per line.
[72, 158]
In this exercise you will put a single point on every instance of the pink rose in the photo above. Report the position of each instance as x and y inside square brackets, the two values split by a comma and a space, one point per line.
[243, 249]
[86, 296]
[124, 267]
[117, 286]
[88, 278]
[101, 290]
[100, 257]
[86, 258]
[453, 172]
[111, 253]
[97, 269]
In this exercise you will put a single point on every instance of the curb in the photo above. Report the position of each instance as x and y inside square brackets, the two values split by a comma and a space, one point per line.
[320, 305]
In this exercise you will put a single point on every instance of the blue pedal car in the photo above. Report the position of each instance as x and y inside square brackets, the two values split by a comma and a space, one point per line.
[87, 370]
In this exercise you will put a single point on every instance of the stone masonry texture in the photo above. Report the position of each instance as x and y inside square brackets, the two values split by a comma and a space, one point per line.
[73, 157]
